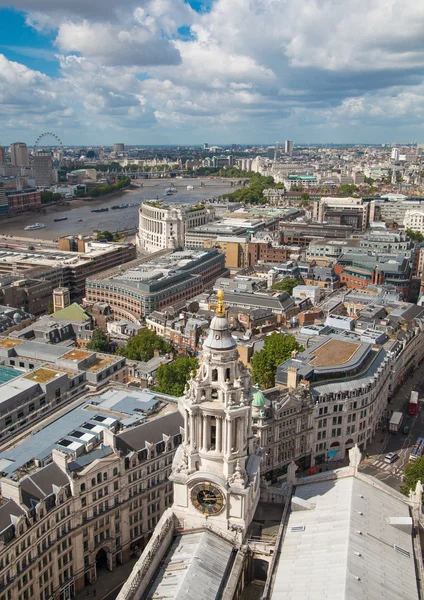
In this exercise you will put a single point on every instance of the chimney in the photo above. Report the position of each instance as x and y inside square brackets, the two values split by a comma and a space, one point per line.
[292, 378]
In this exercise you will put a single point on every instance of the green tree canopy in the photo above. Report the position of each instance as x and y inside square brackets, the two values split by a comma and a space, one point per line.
[50, 307]
[286, 285]
[348, 189]
[413, 472]
[143, 345]
[99, 342]
[415, 235]
[105, 235]
[278, 347]
[172, 378]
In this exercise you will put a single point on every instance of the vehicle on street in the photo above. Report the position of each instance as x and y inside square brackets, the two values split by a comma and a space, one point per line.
[418, 450]
[395, 422]
[406, 430]
[413, 404]
[391, 457]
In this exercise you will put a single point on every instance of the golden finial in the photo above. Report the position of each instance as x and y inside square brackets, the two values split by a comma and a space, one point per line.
[220, 307]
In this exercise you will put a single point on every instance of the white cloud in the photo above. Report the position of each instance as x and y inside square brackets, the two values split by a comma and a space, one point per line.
[246, 68]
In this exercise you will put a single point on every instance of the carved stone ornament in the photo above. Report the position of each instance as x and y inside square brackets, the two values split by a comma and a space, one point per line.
[238, 478]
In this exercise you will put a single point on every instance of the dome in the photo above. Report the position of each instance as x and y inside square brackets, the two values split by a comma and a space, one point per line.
[220, 337]
[259, 399]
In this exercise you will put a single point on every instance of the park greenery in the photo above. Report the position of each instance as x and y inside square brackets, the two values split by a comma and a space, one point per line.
[253, 194]
[172, 378]
[50, 307]
[278, 348]
[413, 473]
[287, 285]
[99, 342]
[48, 197]
[103, 190]
[415, 235]
[143, 345]
[108, 236]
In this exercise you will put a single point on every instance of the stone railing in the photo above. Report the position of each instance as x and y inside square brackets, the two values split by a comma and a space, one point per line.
[144, 569]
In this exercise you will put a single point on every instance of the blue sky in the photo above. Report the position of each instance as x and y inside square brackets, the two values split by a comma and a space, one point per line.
[221, 71]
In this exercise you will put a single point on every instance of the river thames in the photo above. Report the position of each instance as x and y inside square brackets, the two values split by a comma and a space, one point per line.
[111, 220]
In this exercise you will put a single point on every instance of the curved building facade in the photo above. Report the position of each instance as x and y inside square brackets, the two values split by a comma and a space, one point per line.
[162, 226]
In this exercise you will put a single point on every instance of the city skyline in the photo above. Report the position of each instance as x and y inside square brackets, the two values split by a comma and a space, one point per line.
[168, 73]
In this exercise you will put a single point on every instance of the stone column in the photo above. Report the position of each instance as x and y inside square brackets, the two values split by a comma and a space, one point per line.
[205, 434]
[218, 422]
[192, 431]
[229, 436]
[186, 432]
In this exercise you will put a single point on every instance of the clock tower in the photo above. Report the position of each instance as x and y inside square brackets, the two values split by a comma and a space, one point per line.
[216, 470]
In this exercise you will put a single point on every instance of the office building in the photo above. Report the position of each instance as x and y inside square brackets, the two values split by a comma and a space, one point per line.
[288, 147]
[414, 219]
[164, 226]
[85, 493]
[349, 382]
[118, 148]
[19, 154]
[4, 203]
[44, 174]
[59, 268]
[395, 154]
[22, 200]
[170, 280]
[343, 211]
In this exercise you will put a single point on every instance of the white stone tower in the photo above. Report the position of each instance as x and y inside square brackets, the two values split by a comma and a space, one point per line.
[216, 469]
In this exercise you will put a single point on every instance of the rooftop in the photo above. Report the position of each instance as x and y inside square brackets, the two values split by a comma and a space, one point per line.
[43, 375]
[354, 537]
[101, 362]
[76, 355]
[333, 352]
[9, 343]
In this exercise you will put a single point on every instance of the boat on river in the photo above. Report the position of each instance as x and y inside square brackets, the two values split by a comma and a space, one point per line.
[118, 206]
[96, 210]
[35, 226]
[60, 219]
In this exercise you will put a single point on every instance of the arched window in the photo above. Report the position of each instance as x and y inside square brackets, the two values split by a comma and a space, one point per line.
[214, 374]
[227, 373]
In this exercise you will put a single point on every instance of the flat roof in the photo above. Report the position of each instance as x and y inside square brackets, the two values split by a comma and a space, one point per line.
[43, 375]
[8, 343]
[333, 352]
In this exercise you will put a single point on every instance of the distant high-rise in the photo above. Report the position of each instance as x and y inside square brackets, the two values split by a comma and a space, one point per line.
[205, 146]
[43, 169]
[277, 150]
[2, 155]
[118, 148]
[270, 152]
[19, 154]
[395, 153]
[288, 147]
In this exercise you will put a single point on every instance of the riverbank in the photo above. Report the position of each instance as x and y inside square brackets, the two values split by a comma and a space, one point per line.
[80, 219]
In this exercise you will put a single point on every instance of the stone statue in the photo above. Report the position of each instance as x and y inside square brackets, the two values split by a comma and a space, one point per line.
[355, 457]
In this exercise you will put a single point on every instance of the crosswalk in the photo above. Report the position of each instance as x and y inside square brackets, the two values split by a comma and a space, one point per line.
[391, 469]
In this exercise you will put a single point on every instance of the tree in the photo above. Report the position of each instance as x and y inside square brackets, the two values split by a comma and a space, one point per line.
[50, 307]
[99, 342]
[105, 235]
[413, 472]
[143, 345]
[347, 189]
[172, 378]
[415, 235]
[286, 285]
[278, 348]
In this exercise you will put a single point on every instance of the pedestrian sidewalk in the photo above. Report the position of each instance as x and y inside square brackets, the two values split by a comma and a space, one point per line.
[107, 581]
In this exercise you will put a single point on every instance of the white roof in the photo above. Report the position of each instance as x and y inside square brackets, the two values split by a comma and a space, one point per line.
[344, 544]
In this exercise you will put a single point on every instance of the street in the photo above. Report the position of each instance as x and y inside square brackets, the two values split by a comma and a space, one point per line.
[385, 442]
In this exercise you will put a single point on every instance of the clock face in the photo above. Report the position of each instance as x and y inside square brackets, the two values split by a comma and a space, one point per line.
[207, 498]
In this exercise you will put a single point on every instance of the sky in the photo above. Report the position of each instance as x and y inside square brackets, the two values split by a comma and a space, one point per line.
[96, 72]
